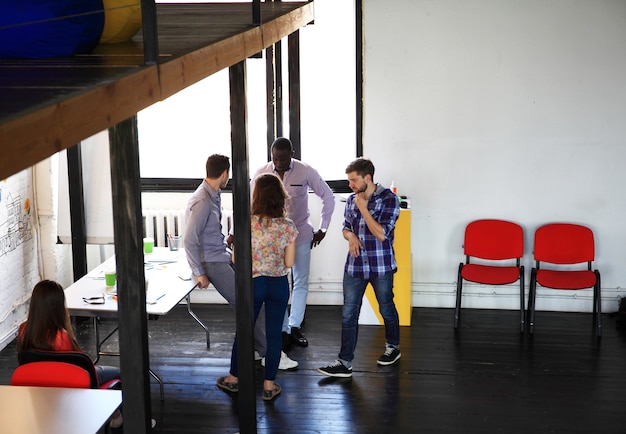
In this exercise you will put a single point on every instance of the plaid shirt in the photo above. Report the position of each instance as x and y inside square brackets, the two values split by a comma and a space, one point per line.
[377, 258]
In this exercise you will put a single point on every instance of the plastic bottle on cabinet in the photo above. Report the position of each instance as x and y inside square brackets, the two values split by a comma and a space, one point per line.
[393, 188]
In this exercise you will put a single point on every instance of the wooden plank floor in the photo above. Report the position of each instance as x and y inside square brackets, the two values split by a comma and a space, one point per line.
[486, 378]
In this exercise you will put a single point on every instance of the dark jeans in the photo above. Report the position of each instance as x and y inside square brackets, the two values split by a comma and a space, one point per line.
[274, 293]
[353, 290]
[107, 373]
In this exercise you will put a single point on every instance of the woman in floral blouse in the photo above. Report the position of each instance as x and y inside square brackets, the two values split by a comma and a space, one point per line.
[273, 253]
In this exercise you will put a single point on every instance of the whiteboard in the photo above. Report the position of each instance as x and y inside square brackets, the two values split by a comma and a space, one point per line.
[97, 192]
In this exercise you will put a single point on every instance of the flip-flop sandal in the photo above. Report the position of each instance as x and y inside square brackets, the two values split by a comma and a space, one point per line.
[227, 386]
[268, 395]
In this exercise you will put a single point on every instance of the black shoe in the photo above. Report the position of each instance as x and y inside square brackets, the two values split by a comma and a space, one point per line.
[336, 369]
[286, 341]
[389, 357]
[297, 337]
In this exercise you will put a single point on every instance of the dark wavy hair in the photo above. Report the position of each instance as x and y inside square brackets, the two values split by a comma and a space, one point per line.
[47, 315]
[268, 197]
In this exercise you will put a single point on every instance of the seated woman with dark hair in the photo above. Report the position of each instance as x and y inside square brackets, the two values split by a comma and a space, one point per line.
[48, 328]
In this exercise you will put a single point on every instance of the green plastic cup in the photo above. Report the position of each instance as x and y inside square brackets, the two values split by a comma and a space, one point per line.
[148, 245]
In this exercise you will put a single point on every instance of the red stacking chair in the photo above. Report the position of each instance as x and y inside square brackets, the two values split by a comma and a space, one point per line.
[496, 246]
[560, 246]
[58, 369]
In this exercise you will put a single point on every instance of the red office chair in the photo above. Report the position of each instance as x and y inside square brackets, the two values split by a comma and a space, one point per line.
[58, 369]
[564, 244]
[494, 244]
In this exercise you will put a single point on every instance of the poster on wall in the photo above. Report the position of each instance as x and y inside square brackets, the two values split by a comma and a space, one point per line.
[15, 223]
[18, 252]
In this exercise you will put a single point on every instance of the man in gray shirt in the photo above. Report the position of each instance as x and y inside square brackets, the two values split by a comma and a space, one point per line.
[205, 246]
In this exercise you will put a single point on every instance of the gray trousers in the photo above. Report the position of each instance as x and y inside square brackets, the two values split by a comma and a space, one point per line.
[222, 276]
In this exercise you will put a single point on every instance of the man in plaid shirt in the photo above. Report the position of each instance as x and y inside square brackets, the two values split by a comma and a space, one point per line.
[369, 222]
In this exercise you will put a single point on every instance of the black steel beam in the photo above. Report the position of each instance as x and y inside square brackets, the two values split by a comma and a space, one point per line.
[293, 64]
[131, 293]
[77, 211]
[243, 262]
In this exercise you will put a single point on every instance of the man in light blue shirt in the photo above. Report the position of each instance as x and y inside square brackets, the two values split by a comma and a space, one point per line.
[298, 178]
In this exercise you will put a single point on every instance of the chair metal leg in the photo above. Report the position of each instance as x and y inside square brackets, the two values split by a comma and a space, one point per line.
[597, 306]
[531, 302]
[459, 289]
[522, 312]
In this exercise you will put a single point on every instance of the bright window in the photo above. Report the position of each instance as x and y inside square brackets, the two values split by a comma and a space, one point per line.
[178, 134]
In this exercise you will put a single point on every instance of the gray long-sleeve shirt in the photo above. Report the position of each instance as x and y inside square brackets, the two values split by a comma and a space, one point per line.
[204, 240]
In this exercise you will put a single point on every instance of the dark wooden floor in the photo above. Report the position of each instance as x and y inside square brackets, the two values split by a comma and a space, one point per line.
[485, 378]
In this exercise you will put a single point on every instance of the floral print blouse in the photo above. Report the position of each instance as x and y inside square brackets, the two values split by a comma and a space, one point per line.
[270, 236]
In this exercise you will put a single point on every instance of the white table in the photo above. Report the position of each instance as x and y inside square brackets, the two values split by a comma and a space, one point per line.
[169, 281]
[55, 410]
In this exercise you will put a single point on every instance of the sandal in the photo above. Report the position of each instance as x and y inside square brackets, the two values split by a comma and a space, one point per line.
[268, 395]
[227, 386]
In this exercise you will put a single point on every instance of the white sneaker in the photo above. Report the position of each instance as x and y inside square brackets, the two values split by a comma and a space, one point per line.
[285, 364]
[257, 356]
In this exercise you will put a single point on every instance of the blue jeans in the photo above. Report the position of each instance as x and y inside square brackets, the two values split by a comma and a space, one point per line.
[107, 373]
[353, 290]
[300, 271]
[274, 293]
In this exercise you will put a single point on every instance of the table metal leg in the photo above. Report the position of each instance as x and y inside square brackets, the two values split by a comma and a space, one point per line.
[158, 380]
[99, 342]
[194, 316]
[99, 353]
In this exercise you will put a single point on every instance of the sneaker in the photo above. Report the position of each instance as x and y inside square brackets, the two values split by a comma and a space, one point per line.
[257, 356]
[336, 369]
[286, 364]
[389, 357]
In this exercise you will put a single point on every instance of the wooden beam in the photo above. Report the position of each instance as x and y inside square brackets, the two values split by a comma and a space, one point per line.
[243, 263]
[256, 12]
[78, 226]
[131, 293]
[150, 32]
[42, 133]
[270, 98]
[358, 25]
[278, 61]
[293, 65]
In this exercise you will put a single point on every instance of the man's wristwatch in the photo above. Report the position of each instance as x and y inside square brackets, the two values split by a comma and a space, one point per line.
[323, 230]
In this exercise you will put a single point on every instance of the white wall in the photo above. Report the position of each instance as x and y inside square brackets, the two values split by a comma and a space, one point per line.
[510, 109]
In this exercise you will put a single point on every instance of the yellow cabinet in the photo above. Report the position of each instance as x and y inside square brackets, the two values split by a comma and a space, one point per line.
[401, 280]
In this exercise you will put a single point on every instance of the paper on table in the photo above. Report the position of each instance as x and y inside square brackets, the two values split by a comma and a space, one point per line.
[97, 274]
[153, 300]
[185, 275]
